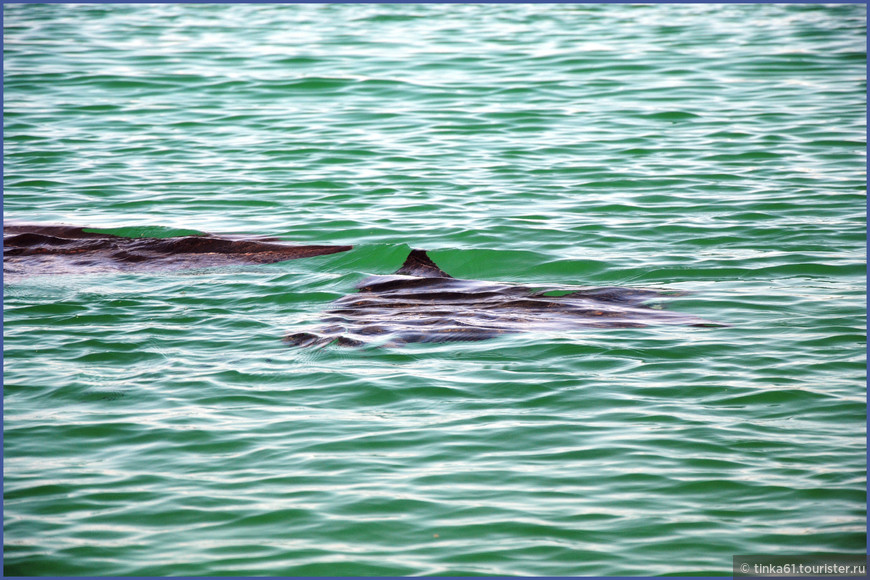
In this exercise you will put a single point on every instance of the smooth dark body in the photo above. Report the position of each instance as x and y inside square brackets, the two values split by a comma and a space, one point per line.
[40, 249]
[422, 303]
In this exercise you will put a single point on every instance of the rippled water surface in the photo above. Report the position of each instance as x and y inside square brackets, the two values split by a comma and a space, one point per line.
[155, 423]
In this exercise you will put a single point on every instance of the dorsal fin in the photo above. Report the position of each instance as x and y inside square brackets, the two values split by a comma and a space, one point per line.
[420, 264]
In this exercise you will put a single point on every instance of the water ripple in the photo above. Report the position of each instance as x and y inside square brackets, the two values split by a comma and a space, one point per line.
[155, 424]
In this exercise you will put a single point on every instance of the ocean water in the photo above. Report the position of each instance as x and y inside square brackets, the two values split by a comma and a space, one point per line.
[156, 424]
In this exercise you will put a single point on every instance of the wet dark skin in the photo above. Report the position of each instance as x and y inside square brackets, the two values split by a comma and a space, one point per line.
[422, 303]
[41, 249]
[418, 303]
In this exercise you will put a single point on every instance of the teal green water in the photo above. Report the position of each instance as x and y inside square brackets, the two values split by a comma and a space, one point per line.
[155, 424]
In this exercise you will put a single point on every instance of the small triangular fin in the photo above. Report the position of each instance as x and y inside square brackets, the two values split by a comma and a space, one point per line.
[421, 265]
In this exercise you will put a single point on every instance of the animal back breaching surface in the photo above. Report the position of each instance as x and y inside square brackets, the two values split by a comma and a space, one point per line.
[422, 303]
[41, 249]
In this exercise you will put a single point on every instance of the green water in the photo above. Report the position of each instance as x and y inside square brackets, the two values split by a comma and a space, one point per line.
[155, 423]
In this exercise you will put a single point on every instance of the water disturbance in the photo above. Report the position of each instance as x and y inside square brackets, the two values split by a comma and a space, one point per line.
[156, 422]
